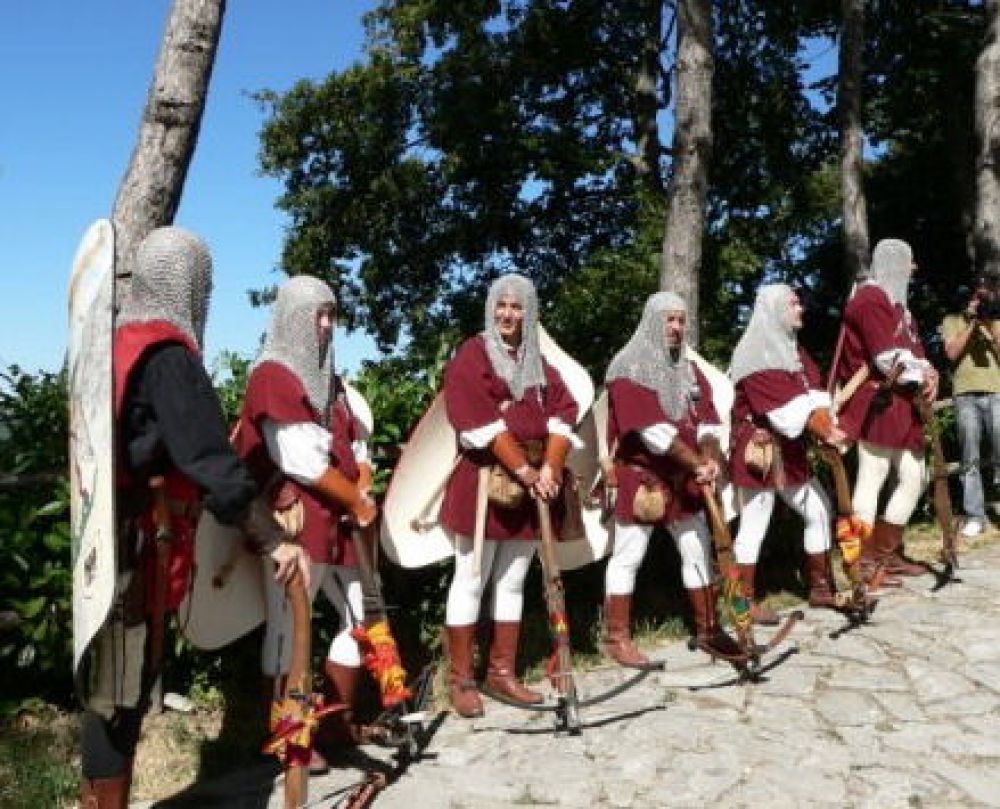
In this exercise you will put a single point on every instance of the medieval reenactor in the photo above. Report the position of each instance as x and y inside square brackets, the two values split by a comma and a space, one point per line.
[882, 350]
[779, 401]
[173, 457]
[513, 415]
[661, 423]
[303, 444]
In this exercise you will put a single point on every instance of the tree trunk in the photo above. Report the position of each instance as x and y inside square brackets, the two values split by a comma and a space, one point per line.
[150, 192]
[987, 227]
[647, 102]
[857, 250]
[692, 148]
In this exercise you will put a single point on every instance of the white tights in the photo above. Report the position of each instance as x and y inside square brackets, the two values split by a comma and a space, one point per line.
[336, 581]
[506, 563]
[631, 540]
[808, 500]
[874, 464]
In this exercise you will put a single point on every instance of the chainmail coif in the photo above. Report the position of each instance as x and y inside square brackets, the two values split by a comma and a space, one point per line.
[648, 361]
[892, 267]
[292, 340]
[769, 343]
[524, 369]
[172, 281]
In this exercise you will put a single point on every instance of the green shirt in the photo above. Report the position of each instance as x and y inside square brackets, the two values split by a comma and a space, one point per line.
[977, 370]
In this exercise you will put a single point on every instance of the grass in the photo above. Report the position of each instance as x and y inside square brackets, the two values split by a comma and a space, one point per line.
[37, 766]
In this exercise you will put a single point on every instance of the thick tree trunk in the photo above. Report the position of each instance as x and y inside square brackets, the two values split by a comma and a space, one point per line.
[857, 250]
[987, 228]
[685, 221]
[150, 192]
[647, 101]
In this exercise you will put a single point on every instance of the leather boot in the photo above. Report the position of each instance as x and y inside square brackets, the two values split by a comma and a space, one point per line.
[822, 588]
[711, 638]
[889, 550]
[462, 688]
[618, 643]
[762, 615]
[500, 675]
[872, 569]
[107, 793]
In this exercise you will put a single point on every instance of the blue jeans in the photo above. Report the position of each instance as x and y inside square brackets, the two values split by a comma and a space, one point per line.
[974, 412]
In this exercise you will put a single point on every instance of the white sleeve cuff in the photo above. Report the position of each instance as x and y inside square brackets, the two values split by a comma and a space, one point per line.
[710, 431]
[480, 437]
[658, 437]
[560, 427]
[820, 398]
[790, 419]
[301, 450]
[359, 449]
[913, 368]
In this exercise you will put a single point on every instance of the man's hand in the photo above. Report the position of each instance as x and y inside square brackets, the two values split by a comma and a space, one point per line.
[290, 559]
[930, 386]
[363, 513]
[546, 486]
[706, 472]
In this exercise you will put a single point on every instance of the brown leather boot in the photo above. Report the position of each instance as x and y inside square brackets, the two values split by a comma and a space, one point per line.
[889, 549]
[872, 569]
[711, 638]
[500, 675]
[618, 643]
[462, 688]
[107, 793]
[822, 587]
[762, 615]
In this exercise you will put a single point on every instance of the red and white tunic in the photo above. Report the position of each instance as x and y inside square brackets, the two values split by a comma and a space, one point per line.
[280, 430]
[779, 402]
[878, 333]
[643, 433]
[480, 406]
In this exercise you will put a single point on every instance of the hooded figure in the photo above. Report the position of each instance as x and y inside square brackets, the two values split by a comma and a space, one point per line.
[660, 418]
[310, 451]
[174, 451]
[881, 340]
[514, 416]
[779, 400]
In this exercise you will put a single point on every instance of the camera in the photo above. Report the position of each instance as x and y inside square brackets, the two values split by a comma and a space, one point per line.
[988, 295]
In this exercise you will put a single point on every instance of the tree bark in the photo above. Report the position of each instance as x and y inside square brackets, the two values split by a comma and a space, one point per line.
[692, 148]
[857, 249]
[150, 192]
[987, 227]
[647, 102]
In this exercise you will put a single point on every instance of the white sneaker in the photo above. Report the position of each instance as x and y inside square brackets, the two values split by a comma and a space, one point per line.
[973, 527]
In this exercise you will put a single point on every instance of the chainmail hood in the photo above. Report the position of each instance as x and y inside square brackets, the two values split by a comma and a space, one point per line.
[524, 369]
[769, 343]
[648, 361]
[892, 267]
[292, 340]
[172, 281]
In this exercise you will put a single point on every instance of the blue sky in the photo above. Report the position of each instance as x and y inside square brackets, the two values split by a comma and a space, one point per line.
[73, 82]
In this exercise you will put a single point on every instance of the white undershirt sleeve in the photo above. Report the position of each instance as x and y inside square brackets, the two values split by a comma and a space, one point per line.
[300, 450]
[559, 427]
[914, 369]
[790, 419]
[658, 437]
[480, 437]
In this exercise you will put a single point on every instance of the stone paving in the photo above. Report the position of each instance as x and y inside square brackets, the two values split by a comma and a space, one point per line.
[902, 712]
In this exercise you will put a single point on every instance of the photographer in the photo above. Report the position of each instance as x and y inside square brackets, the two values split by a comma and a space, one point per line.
[971, 346]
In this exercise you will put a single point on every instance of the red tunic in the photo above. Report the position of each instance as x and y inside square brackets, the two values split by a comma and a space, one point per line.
[275, 393]
[131, 343]
[756, 396]
[873, 324]
[634, 407]
[476, 397]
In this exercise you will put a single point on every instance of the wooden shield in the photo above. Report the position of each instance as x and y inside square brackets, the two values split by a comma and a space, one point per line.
[411, 534]
[91, 442]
